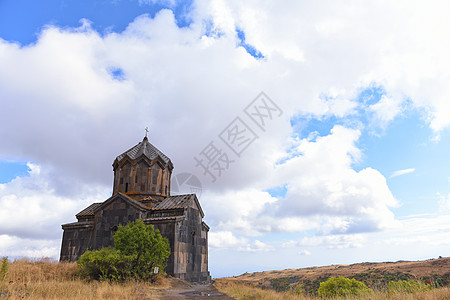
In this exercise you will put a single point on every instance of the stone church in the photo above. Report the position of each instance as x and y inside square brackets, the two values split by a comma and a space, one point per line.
[142, 191]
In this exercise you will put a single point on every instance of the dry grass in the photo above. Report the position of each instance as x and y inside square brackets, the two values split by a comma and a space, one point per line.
[374, 275]
[239, 290]
[439, 266]
[47, 279]
[435, 294]
[52, 280]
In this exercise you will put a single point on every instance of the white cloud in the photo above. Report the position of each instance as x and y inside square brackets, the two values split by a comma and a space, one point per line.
[226, 240]
[402, 172]
[347, 45]
[241, 211]
[323, 194]
[30, 208]
[334, 241]
[444, 202]
[427, 231]
[257, 246]
[304, 252]
[295, 223]
[15, 247]
[321, 181]
[328, 241]
[170, 3]
[62, 109]
[386, 109]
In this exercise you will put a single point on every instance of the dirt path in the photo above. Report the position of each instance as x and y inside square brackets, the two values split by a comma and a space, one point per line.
[193, 291]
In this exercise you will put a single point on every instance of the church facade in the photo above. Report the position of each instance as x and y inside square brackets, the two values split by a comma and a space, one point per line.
[141, 190]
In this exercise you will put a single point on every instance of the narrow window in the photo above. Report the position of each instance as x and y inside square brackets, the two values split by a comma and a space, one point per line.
[126, 187]
[135, 179]
[155, 176]
[121, 180]
[166, 189]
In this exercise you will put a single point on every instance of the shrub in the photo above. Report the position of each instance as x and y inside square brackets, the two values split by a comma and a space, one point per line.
[104, 264]
[340, 286]
[4, 269]
[3, 273]
[144, 246]
[297, 289]
[407, 286]
[280, 284]
[138, 250]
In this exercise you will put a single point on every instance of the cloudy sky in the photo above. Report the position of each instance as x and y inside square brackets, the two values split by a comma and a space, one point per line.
[318, 131]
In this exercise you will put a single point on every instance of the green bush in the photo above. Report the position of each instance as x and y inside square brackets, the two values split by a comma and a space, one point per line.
[407, 286]
[4, 269]
[341, 286]
[104, 264]
[144, 246]
[138, 250]
[297, 289]
[280, 284]
[3, 273]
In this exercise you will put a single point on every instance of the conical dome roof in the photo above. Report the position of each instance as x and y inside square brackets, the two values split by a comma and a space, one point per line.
[144, 148]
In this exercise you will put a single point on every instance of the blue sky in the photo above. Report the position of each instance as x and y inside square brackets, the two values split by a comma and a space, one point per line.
[11, 170]
[22, 20]
[354, 168]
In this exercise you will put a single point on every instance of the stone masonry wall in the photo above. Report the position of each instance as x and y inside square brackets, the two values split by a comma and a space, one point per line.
[76, 240]
[118, 212]
[167, 230]
[192, 248]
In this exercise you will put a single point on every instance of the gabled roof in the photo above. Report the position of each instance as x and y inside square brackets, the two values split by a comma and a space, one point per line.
[144, 148]
[133, 202]
[173, 202]
[78, 225]
[178, 201]
[88, 210]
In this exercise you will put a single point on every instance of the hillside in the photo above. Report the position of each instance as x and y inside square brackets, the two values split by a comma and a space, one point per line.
[375, 275]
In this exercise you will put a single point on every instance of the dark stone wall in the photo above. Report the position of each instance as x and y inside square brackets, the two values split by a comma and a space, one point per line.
[76, 240]
[167, 230]
[107, 220]
[187, 236]
[142, 177]
[192, 260]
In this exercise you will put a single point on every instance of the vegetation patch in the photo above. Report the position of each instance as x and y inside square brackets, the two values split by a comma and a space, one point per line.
[3, 273]
[4, 269]
[139, 249]
[342, 287]
[283, 284]
[407, 287]
[310, 287]
[243, 290]
[48, 279]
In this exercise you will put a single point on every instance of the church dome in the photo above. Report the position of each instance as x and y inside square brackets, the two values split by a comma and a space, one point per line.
[144, 148]
[143, 172]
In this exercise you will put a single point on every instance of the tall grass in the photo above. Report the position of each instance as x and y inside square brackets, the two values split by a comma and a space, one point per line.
[240, 291]
[47, 279]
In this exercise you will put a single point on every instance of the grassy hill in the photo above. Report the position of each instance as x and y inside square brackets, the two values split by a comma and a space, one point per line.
[45, 279]
[435, 272]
